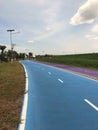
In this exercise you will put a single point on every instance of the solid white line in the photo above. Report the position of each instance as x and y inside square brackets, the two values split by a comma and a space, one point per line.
[61, 80]
[24, 107]
[49, 73]
[91, 104]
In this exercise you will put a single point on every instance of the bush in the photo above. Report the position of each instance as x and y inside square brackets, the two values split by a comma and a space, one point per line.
[3, 57]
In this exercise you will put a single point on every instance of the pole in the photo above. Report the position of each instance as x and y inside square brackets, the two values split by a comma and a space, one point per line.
[11, 30]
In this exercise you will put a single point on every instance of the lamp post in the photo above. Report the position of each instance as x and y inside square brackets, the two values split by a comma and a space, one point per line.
[11, 30]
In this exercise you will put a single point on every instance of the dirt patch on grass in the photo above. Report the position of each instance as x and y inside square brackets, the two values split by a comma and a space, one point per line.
[11, 92]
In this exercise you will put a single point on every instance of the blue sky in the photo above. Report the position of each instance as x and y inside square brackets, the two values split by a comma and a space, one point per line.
[50, 26]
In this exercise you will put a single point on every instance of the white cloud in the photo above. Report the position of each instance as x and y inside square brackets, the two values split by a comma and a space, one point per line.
[31, 41]
[48, 28]
[50, 31]
[95, 29]
[95, 38]
[34, 15]
[87, 13]
[93, 33]
[91, 37]
[51, 13]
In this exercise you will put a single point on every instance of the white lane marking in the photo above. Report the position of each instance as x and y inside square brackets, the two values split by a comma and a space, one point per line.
[91, 104]
[49, 73]
[25, 102]
[60, 80]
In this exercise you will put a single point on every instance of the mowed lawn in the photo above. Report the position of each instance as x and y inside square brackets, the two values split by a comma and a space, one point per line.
[12, 84]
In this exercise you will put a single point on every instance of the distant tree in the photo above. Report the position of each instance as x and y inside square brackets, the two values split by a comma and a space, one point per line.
[3, 56]
[15, 54]
[2, 48]
[9, 54]
[21, 55]
[30, 55]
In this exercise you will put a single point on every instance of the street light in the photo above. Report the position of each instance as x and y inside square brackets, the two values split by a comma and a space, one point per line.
[11, 30]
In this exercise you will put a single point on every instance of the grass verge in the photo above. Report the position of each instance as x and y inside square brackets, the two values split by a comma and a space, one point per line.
[11, 92]
[89, 61]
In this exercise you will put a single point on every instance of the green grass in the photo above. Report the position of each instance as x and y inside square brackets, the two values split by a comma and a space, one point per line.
[80, 60]
[11, 92]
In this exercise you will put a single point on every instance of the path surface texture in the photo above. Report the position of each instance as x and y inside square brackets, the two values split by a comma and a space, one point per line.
[60, 100]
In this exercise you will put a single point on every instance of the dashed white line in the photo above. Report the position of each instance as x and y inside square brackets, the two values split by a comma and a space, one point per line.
[60, 80]
[49, 73]
[91, 104]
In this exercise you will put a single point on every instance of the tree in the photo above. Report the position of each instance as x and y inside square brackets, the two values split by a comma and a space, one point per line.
[2, 48]
[3, 56]
[30, 55]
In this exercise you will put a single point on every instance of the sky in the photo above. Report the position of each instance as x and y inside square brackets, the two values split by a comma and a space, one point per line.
[50, 26]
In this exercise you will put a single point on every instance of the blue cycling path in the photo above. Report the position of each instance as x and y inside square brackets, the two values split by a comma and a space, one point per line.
[60, 100]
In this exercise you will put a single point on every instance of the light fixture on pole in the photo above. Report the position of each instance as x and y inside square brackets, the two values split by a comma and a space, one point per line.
[11, 30]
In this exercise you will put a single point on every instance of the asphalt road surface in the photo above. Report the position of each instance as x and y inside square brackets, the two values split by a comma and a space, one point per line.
[60, 100]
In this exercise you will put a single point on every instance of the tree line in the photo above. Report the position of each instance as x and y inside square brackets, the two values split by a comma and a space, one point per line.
[6, 56]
